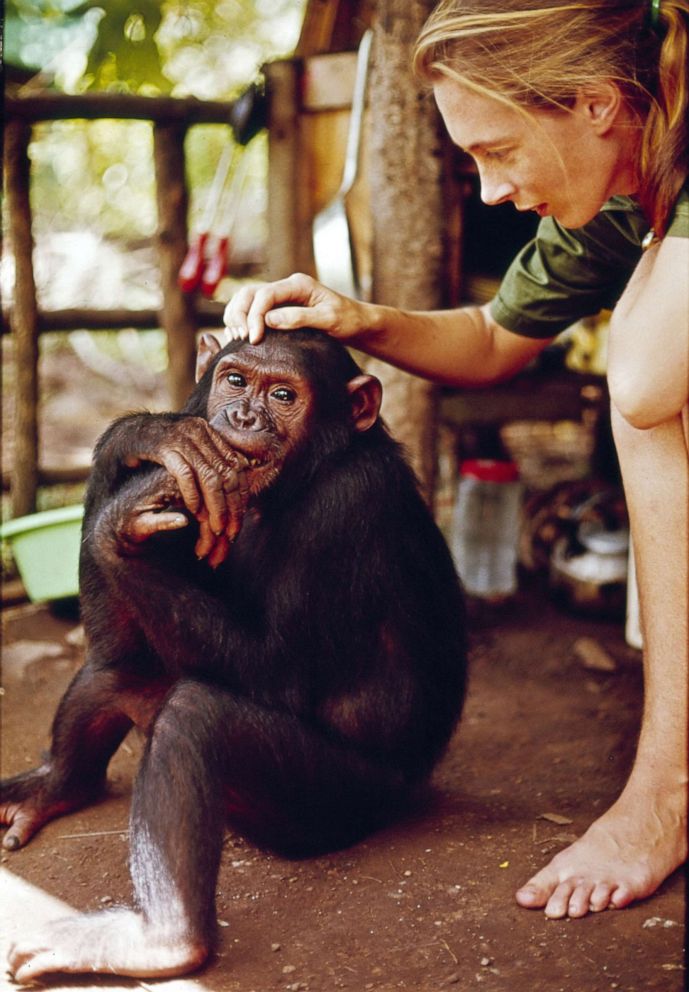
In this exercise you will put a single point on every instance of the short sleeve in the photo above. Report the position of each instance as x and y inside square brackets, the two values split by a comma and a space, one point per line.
[679, 221]
[563, 275]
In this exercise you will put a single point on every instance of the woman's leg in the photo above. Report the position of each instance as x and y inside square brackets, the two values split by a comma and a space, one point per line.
[628, 852]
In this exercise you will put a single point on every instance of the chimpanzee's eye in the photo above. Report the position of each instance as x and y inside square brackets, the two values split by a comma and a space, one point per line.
[235, 379]
[284, 395]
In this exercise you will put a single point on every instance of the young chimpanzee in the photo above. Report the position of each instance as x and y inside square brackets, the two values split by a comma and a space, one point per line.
[266, 595]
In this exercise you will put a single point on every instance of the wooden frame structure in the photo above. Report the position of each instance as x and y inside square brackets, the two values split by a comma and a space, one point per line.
[180, 315]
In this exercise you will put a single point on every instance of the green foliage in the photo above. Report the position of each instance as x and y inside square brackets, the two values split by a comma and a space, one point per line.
[99, 175]
[186, 47]
[125, 54]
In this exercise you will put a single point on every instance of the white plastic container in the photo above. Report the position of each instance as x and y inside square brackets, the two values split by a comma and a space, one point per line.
[485, 527]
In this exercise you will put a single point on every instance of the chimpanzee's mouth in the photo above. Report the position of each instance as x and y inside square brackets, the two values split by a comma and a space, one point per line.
[253, 461]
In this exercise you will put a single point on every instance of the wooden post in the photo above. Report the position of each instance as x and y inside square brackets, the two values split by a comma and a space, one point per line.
[406, 163]
[23, 319]
[177, 317]
[289, 215]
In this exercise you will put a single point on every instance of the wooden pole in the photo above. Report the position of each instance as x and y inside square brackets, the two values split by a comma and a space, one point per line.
[178, 317]
[23, 319]
[406, 165]
[286, 175]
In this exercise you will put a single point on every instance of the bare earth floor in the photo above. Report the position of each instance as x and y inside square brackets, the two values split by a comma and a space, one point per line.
[427, 904]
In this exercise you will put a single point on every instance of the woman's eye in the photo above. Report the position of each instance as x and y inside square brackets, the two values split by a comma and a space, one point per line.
[235, 379]
[284, 395]
[497, 156]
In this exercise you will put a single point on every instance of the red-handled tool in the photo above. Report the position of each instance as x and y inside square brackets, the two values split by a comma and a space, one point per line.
[219, 248]
[192, 268]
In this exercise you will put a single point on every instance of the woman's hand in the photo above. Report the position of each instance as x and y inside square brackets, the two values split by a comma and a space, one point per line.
[255, 307]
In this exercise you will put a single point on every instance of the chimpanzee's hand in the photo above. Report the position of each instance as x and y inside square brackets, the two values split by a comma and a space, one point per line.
[262, 305]
[208, 479]
[160, 508]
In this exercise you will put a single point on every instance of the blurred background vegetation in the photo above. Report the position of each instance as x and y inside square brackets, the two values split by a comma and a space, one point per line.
[99, 176]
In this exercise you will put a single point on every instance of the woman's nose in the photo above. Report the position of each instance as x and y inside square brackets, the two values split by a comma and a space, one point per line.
[495, 190]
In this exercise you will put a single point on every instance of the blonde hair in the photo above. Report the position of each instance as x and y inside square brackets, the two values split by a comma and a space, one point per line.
[537, 54]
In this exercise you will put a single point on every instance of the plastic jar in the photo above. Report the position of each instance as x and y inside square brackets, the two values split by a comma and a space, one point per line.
[485, 527]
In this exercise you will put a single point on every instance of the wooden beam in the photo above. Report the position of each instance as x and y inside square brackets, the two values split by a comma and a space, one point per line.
[24, 319]
[124, 106]
[208, 314]
[286, 171]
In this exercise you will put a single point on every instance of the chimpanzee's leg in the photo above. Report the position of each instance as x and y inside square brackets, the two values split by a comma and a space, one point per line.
[286, 782]
[88, 727]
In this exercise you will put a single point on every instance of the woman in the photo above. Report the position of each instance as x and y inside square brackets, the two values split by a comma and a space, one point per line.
[578, 110]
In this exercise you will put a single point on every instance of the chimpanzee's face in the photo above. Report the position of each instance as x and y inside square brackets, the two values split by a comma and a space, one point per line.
[263, 404]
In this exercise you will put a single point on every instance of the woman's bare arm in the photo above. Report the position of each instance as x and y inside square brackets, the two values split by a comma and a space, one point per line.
[462, 347]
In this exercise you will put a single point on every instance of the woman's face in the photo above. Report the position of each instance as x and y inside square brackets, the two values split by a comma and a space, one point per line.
[564, 164]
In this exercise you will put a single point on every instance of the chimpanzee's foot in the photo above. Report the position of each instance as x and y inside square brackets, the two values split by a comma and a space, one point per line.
[112, 942]
[25, 805]
[625, 855]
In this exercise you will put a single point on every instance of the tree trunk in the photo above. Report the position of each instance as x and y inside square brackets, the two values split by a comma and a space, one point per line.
[406, 163]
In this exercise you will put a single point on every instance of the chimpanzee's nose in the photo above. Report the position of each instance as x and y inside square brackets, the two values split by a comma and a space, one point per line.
[243, 416]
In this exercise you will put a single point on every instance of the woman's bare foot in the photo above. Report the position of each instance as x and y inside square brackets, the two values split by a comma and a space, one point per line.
[625, 855]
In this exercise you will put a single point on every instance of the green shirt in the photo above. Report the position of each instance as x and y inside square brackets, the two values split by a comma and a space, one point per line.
[563, 275]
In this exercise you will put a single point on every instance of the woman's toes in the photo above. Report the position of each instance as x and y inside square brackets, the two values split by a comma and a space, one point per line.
[600, 897]
[580, 900]
[557, 905]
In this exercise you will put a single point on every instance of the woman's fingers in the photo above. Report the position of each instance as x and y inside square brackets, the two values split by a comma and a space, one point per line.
[298, 301]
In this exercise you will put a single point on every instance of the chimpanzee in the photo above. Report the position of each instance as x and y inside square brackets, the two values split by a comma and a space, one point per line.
[265, 595]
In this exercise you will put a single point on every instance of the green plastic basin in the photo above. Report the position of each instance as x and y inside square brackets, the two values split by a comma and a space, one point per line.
[45, 547]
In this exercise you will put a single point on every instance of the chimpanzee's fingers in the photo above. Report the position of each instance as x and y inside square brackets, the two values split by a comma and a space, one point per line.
[211, 478]
[185, 477]
[207, 539]
[219, 552]
[198, 472]
[236, 495]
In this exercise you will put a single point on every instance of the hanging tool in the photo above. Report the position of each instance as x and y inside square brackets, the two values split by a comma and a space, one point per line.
[191, 270]
[247, 118]
[332, 244]
[218, 248]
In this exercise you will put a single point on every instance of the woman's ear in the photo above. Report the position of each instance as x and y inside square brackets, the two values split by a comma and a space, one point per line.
[601, 104]
[366, 395]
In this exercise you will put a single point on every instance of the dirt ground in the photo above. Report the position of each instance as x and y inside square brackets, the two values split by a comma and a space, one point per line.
[428, 903]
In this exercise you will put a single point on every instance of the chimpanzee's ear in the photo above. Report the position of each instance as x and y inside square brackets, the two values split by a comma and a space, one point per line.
[209, 346]
[366, 395]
